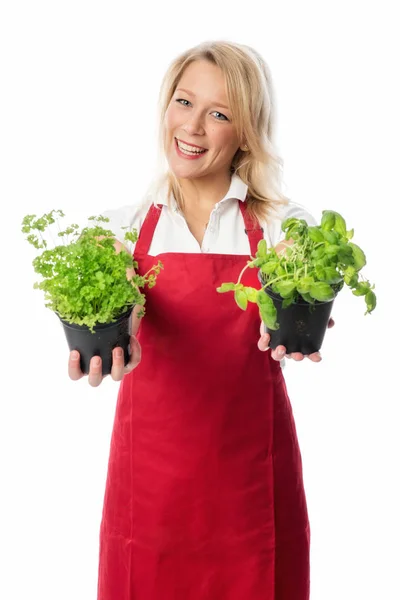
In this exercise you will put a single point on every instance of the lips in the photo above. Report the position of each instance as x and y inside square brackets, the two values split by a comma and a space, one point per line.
[189, 145]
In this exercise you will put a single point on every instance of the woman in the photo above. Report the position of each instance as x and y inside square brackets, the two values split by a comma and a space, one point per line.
[204, 497]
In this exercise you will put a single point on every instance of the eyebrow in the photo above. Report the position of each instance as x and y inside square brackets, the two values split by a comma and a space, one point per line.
[191, 94]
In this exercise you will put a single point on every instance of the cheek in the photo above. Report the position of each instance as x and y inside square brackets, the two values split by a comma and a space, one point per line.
[171, 118]
[228, 141]
[169, 126]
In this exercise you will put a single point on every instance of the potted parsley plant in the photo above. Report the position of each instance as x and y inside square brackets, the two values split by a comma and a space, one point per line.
[85, 282]
[300, 282]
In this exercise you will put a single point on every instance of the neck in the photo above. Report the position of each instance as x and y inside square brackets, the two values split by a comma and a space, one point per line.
[204, 193]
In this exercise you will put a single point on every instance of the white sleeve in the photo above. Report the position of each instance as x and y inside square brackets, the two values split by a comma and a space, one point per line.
[131, 216]
[292, 210]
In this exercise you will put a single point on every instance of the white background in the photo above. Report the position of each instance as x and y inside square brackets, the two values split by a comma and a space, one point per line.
[79, 83]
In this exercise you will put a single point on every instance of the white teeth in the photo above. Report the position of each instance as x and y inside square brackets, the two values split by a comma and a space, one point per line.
[186, 149]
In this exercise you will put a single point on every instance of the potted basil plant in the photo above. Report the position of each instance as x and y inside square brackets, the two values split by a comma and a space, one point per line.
[85, 282]
[300, 282]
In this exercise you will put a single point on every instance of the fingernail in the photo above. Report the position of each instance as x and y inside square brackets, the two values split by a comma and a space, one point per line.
[280, 353]
[118, 352]
[96, 361]
[74, 355]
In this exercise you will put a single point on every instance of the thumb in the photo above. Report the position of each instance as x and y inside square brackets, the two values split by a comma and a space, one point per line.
[136, 354]
[262, 328]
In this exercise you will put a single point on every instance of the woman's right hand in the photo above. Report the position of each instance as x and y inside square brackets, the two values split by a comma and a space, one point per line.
[118, 369]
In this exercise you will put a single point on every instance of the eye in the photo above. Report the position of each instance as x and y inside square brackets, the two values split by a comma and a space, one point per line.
[181, 100]
[221, 117]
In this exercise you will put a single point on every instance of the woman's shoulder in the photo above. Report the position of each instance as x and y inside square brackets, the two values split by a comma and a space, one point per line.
[295, 210]
[127, 217]
[289, 210]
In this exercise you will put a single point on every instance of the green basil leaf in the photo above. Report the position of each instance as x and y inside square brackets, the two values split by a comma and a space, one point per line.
[251, 294]
[345, 250]
[290, 222]
[321, 291]
[267, 310]
[318, 253]
[345, 255]
[331, 237]
[350, 276]
[285, 288]
[328, 220]
[263, 298]
[331, 275]
[307, 298]
[262, 249]
[226, 287]
[315, 234]
[280, 271]
[288, 301]
[304, 284]
[269, 267]
[370, 300]
[359, 257]
[257, 262]
[340, 224]
[320, 272]
[241, 298]
[362, 288]
[331, 250]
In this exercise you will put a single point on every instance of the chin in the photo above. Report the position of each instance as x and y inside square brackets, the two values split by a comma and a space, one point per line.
[182, 171]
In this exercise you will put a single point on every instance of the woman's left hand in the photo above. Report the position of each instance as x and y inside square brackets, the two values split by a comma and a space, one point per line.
[280, 351]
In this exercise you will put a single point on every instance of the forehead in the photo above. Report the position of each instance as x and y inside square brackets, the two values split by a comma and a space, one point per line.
[204, 80]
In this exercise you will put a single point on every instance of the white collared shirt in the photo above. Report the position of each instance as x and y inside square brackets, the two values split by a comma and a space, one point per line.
[225, 232]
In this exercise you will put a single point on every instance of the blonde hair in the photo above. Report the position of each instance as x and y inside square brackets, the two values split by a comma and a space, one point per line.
[251, 99]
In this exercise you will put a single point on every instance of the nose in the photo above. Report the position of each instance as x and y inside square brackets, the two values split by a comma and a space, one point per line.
[194, 124]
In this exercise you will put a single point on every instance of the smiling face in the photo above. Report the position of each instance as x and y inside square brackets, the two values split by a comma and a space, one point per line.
[201, 138]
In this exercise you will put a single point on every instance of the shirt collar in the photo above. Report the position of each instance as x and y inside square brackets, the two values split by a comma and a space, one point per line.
[237, 190]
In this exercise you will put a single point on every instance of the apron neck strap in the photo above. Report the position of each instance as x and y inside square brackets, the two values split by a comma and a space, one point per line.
[147, 229]
[252, 228]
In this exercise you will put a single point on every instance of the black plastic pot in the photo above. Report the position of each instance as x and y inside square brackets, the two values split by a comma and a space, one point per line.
[302, 325]
[105, 338]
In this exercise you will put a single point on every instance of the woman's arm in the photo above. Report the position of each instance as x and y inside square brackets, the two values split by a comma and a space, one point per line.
[119, 247]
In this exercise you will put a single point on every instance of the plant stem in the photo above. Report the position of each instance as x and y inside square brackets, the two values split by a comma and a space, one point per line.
[274, 280]
[242, 271]
[42, 238]
[149, 271]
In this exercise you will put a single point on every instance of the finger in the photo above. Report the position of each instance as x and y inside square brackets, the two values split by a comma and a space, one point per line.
[117, 368]
[263, 342]
[95, 375]
[298, 356]
[136, 355]
[315, 357]
[74, 367]
[262, 328]
[331, 323]
[278, 353]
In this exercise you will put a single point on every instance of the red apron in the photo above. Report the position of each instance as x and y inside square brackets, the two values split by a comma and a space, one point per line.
[204, 497]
